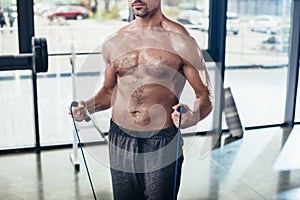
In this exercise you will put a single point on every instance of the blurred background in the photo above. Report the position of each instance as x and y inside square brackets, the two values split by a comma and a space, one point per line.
[256, 53]
[256, 67]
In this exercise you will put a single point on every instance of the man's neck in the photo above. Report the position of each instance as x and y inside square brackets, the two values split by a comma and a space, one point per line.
[153, 19]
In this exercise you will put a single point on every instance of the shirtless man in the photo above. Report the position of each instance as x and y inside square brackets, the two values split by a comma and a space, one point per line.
[148, 62]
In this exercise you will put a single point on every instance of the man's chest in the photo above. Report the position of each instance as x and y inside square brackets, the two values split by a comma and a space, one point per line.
[152, 62]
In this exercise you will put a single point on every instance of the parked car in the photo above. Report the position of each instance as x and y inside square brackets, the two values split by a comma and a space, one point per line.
[265, 24]
[69, 12]
[232, 24]
[190, 6]
[124, 14]
[280, 41]
[190, 17]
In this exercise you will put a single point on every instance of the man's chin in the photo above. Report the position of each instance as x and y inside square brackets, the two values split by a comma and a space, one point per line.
[139, 13]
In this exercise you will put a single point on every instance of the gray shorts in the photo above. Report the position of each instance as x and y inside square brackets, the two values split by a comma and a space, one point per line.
[143, 163]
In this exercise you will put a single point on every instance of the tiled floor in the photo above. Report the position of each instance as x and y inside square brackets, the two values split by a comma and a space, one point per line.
[259, 166]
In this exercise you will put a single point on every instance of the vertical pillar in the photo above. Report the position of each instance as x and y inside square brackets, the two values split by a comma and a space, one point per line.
[216, 49]
[25, 34]
[293, 66]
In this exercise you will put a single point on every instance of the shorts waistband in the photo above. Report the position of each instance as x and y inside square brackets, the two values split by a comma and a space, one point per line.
[165, 132]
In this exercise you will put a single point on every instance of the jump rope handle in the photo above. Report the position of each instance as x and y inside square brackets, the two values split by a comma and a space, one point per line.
[75, 104]
[181, 109]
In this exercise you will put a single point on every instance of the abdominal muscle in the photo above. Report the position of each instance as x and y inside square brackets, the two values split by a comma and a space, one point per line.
[147, 107]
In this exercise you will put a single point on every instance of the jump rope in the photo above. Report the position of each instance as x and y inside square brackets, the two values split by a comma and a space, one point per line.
[180, 109]
[75, 104]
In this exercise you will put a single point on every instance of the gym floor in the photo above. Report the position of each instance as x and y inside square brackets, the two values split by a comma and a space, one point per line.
[262, 165]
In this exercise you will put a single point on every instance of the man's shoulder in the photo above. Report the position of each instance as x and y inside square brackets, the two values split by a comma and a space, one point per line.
[118, 34]
[175, 26]
[126, 28]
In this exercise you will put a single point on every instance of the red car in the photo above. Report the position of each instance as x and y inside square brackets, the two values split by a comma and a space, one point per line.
[70, 12]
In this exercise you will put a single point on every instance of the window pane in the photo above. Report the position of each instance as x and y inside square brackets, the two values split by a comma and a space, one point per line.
[67, 30]
[56, 92]
[194, 16]
[256, 59]
[259, 94]
[8, 27]
[263, 33]
[17, 124]
[297, 113]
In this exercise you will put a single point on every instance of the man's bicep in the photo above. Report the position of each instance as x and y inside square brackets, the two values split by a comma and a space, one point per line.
[110, 77]
[202, 89]
[200, 83]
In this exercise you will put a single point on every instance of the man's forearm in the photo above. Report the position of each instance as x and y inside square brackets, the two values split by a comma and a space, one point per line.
[101, 101]
[203, 106]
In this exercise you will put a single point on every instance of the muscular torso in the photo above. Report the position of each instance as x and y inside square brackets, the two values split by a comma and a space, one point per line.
[149, 84]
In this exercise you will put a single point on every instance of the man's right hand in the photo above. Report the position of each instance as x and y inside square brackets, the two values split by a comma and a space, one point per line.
[79, 112]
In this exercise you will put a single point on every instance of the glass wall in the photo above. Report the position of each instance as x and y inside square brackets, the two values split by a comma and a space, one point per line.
[67, 36]
[8, 27]
[194, 16]
[256, 59]
[17, 115]
[16, 87]
[79, 38]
